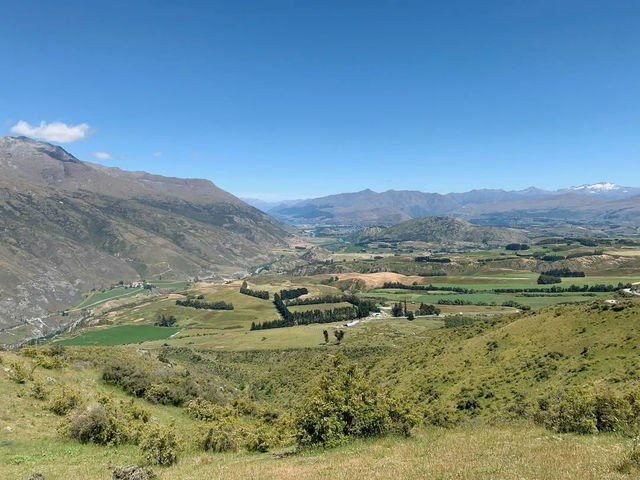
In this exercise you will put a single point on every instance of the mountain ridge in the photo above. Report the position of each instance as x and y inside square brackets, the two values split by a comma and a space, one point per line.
[368, 208]
[71, 226]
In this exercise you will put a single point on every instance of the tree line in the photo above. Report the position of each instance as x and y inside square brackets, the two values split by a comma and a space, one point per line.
[220, 305]
[165, 321]
[402, 286]
[359, 308]
[564, 272]
[244, 289]
[545, 279]
[554, 289]
[517, 246]
[293, 293]
[433, 259]
[569, 289]
[341, 314]
[400, 310]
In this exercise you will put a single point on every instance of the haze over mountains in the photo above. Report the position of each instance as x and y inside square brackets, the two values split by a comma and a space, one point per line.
[600, 207]
[69, 226]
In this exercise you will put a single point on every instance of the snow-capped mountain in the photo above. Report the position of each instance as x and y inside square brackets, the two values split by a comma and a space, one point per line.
[605, 189]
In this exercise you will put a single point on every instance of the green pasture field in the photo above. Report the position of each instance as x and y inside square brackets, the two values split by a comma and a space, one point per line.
[116, 292]
[120, 335]
[111, 294]
[485, 297]
[247, 309]
[174, 284]
[319, 306]
[384, 331]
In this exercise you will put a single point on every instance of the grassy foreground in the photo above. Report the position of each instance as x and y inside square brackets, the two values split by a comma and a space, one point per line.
[481, 451]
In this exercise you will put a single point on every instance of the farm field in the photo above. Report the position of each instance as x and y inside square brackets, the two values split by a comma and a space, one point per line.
[482, 298]
[305, 336]
[110, 294]
[120, 335]
[319, 306]
[229, 329]
[118, 292]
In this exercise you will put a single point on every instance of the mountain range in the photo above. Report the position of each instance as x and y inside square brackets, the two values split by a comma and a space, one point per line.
[70, 226]
[601, 208]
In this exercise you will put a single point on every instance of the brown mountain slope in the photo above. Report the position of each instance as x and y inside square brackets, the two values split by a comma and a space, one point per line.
[68, 226]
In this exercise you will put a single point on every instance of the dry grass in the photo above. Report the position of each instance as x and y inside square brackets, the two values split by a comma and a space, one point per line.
[480, 452]
[375, 280]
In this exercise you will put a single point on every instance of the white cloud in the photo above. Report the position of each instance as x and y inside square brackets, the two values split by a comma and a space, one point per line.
[157, 154]
[103, 155]
[54, 131]
[194, 154]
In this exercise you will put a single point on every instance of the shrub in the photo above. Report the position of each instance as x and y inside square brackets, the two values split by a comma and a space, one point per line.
[579, 410]
[219, 437]
[159, 445]
[108, 422]
[90, 425]
[165, 394]
[612, 412]
[258, 439]
[343, 404]
[64, 399]
[202, 409]
[426, 309]
[39, 390]
[18, 372]
[397, 310]
[133, 472]
[165, 321]
[131, 379]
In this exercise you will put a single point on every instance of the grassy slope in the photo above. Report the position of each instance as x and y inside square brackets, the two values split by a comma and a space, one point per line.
[474, 451]
[407, 353]
[596, 344]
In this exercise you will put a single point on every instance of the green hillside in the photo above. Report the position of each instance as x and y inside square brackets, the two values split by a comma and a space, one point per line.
[485, 394]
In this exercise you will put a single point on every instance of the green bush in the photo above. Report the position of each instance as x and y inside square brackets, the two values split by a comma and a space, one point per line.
[160, 385]
[219, 436]
[39, 390]
[165, 394]
[202, 409]
[344, 404]
[582, 410]
[98, 424]
[159, 445]
[18, 372]
[131, 379]
[64, 399]
[108, 422]
[49, 362]
[258, 439]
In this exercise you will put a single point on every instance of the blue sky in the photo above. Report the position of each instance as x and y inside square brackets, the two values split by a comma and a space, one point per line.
[289, 99]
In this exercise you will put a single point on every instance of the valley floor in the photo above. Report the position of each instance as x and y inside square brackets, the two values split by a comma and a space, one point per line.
[515, 451]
